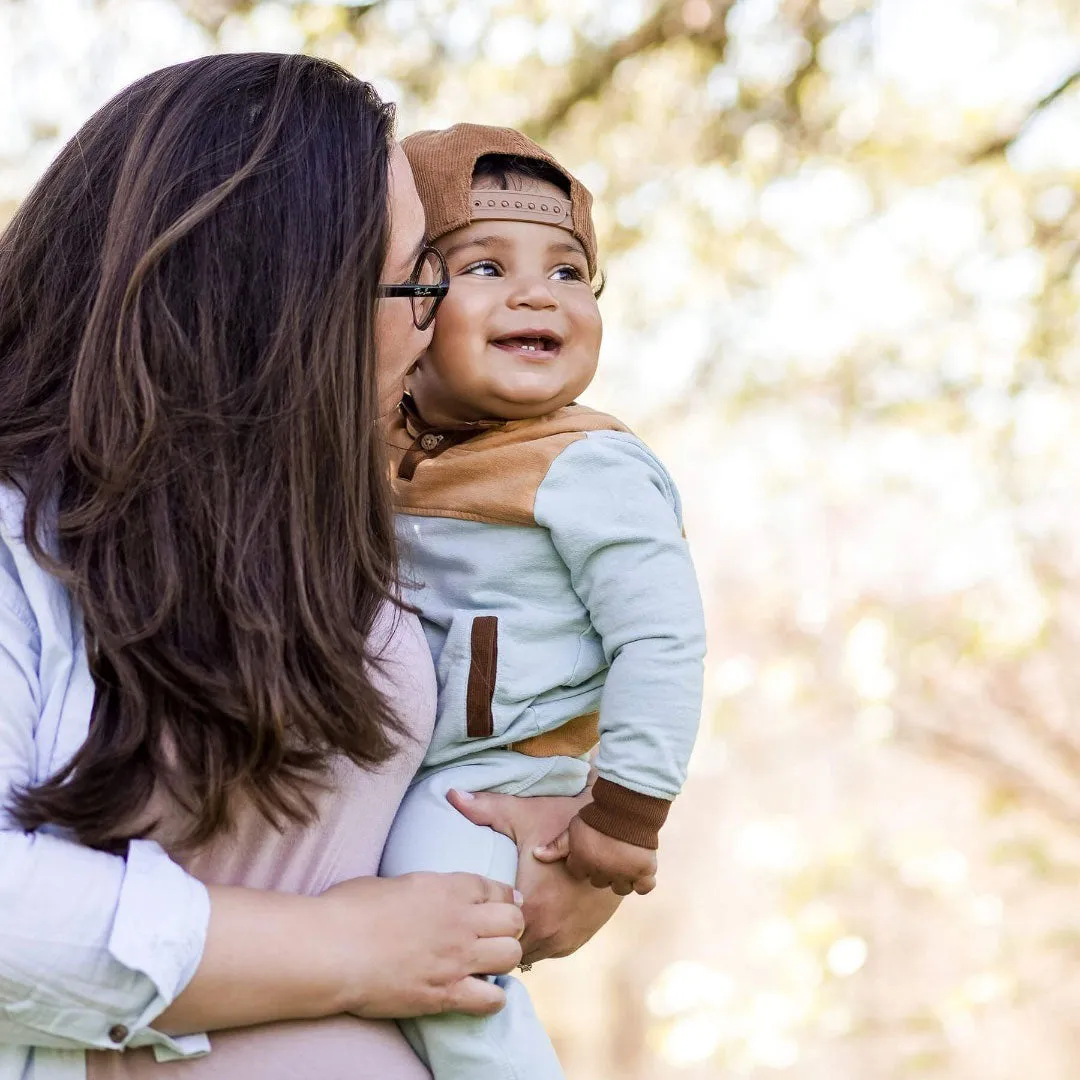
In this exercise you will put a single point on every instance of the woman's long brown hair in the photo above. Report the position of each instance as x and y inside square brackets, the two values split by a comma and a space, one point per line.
[188, 402]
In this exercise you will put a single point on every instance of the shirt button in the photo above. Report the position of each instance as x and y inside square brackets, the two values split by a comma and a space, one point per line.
[118, 1033]
[429, 441]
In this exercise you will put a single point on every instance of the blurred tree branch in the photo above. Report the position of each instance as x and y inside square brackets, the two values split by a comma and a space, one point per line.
[999, 146]
[983, 762]
[211, 14]
[356, 13]
[592, 71]
[1009, 727]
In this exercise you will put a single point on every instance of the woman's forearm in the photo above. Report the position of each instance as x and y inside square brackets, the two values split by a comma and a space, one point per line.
[373, 947]
[262, 962]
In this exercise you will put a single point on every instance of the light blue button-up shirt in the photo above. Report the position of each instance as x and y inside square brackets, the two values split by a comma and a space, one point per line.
[93, 947]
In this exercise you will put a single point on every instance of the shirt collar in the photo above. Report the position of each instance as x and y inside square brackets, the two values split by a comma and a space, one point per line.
[416, 425]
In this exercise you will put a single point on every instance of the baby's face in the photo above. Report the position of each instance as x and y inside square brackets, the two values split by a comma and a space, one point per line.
[518, 335]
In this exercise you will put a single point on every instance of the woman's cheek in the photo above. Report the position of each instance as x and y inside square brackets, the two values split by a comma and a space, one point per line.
[397, 345]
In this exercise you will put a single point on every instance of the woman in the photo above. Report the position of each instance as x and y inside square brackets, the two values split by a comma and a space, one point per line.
[210, 704]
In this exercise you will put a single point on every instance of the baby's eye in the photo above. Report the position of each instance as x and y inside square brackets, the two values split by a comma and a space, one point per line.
[568, 273]
[485, 268]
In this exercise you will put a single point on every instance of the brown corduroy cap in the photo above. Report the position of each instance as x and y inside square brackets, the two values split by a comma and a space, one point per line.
[443, 162]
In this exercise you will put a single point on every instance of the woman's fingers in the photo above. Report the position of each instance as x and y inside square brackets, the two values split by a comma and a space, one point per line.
[478, 997]
[527, 822]
[415, 941]
[561, 914]
[484, 890]
[498, 920]
[495, 955]
[485, 808]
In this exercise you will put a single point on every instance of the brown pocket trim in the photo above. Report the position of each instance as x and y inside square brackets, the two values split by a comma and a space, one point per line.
[483, 667]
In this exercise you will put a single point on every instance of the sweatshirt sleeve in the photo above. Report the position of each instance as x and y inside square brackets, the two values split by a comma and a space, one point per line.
[615, 518]
[93, 946]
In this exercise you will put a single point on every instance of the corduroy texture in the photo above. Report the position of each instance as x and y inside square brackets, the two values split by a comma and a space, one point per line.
[443, 161]
[480, 724]
[574, 738]
[626, 815]
[492, 476]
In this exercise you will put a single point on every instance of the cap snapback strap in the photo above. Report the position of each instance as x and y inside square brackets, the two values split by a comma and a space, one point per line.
[520, 206]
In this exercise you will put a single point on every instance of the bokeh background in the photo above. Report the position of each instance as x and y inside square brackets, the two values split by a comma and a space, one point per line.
[841, 241]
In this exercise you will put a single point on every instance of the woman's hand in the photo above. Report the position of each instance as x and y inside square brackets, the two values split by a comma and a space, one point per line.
[418, 940]
[375, 947]
[561, 914]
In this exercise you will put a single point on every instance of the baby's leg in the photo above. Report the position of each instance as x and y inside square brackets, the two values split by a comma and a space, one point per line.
[429, 834]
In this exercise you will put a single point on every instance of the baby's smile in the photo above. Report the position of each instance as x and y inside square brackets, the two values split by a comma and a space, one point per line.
[535, 344]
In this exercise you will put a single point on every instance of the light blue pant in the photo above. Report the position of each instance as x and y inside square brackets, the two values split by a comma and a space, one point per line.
[429, 834]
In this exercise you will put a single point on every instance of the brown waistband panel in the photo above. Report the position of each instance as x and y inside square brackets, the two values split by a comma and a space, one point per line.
[574, 738]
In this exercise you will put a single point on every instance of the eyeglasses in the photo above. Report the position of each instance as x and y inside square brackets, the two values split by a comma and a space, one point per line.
[428, 284]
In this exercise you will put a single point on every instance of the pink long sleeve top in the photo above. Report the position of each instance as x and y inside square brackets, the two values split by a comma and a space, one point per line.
[344, 841]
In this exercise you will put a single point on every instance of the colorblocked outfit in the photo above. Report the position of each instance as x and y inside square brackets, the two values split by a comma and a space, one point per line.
[559, 601]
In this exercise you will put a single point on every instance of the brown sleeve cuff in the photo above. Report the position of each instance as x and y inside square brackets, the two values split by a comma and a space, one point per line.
[626, 815]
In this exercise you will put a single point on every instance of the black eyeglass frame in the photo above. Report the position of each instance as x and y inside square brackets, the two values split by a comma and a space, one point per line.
[416, 291]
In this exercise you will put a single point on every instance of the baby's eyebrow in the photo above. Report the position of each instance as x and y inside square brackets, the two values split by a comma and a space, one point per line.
[476, 241]
[572, 247]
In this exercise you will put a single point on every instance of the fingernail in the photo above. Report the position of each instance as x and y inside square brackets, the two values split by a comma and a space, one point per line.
[466, 795]
[518, 898]
[541, 850]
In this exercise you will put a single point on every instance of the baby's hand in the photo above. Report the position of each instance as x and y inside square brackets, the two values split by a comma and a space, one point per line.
[603, 860]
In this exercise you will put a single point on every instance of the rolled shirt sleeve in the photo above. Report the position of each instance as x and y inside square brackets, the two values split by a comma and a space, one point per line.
[614, 516]
[93, 946]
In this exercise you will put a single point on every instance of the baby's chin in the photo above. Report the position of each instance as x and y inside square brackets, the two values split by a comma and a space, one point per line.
[524, 403]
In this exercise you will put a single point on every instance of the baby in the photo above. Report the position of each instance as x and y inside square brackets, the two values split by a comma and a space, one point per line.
[544, 549]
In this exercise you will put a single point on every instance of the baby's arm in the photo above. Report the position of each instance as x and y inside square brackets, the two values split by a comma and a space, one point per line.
[614, 517]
